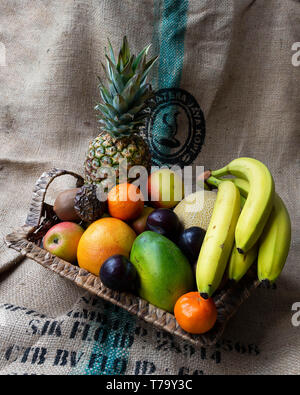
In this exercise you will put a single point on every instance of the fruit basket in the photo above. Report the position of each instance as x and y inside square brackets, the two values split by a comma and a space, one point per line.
[41, 217]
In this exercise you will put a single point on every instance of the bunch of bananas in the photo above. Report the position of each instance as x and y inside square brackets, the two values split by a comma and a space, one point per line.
[249, 223]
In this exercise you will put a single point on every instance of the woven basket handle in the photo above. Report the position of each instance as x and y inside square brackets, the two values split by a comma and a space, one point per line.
[39, 193]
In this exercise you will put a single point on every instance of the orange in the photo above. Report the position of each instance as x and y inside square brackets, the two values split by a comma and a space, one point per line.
[125, 201]
[101, 240]
[195, 314]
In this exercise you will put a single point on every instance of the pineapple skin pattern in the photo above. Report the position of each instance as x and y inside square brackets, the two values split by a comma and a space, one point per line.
[106, 151]
[122, 114]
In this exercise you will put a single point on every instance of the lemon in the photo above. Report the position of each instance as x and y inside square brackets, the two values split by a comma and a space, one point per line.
[196, 209]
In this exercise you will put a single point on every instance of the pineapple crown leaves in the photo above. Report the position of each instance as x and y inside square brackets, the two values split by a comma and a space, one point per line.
[124, 96]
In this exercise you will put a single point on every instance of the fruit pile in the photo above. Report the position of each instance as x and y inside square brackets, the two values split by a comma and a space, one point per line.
[143, 249]
[173, 257]
[250, 223]
[171, 251]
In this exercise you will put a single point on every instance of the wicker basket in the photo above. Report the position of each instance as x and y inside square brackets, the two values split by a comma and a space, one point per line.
[27, 240]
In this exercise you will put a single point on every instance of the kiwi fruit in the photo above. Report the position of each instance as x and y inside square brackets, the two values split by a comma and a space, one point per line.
[64, 205]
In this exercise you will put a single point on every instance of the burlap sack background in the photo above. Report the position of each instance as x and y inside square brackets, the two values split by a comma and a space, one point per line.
[234, 56]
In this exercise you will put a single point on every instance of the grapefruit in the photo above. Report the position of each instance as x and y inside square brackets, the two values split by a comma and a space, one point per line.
[102, 239]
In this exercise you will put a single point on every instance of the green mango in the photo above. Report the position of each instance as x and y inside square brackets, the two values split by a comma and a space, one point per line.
[164, 272]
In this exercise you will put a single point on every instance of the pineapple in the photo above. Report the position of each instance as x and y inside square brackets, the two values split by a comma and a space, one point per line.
[121, 116]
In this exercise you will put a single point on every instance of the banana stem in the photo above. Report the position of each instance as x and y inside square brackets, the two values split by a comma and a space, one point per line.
[202, 180]
[221, 172]
[213, 181]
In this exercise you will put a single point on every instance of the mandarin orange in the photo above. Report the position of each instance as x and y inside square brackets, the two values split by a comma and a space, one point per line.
[195, 314]
[125, 201]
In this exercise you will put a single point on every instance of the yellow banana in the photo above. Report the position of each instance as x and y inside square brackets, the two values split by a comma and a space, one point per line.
[239, 264]
[258, 206]
[241, 184]
[274, 243]
[273, 246]
[218, 240]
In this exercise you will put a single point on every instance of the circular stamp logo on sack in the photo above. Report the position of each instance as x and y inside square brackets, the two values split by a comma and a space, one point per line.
[175, 127]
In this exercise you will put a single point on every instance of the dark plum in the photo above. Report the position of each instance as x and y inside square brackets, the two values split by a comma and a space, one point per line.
[165, 222]
[119, 274]
[190, 242]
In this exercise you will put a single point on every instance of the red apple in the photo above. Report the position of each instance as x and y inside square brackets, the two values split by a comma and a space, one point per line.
[62, 240]
[165, 188]
[139, 225]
